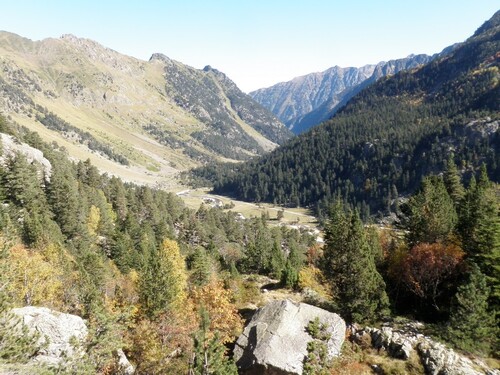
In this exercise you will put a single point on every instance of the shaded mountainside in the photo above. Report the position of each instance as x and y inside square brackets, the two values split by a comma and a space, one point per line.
[308, 100]
[388, 136]
[141, 120]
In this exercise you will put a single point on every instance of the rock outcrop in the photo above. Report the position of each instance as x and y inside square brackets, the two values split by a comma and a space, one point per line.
[10, 146]
[60, 334]
[439, 360]
[398, 343]
[407, 340]
[275, 340]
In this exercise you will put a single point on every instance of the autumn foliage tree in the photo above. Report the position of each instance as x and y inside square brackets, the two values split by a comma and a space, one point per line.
[427, 269]
[216, 300]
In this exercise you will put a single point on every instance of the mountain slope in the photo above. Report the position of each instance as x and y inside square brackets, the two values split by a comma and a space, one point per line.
[308, 100]
[141, 120]
[388, 136]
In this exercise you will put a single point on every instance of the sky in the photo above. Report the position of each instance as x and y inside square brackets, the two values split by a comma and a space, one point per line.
[256, 43]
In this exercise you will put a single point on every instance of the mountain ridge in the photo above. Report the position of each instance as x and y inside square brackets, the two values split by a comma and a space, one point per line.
[307, 100]
[79, 93]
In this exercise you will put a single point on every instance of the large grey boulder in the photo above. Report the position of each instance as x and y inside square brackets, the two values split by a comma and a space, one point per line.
[60, 334]
[275, 340]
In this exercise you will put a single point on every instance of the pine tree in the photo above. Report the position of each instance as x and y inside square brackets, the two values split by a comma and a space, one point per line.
[349, 264]
[452, 181]
[201, 270]
[209, 357]
[22, 184]
[65, 201]
[277, 260]
[431, 213]
[290, 275]
[164, 280]
[479, 230]
[472, 325]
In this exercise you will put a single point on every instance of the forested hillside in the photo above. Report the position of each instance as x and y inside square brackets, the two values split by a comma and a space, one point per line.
[387, 137]
[131, 260]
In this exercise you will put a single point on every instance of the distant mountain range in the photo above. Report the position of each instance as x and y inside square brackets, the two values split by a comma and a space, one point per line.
[141, 120]
[311, 99]
[387, 137]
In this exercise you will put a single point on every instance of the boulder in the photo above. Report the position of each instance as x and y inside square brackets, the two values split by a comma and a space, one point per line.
[60, 333]
[275, 341]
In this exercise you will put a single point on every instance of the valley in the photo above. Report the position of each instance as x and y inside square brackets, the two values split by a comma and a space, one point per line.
[155, 219]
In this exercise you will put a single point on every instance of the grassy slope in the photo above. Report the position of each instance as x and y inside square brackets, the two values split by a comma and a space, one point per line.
[109, 95]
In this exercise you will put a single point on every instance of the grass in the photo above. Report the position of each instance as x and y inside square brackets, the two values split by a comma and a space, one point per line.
[24, 369]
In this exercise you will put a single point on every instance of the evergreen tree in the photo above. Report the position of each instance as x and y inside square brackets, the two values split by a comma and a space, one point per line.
[22, 184]
[118, 198]
[431, 213]
[164, 280]
[209, 357]
[259, 248]
[277, 260]
[290, 275]
[349, 264]
[472, 324]
[65, 200]
[201, 270]
[479, 230]
[452, 182]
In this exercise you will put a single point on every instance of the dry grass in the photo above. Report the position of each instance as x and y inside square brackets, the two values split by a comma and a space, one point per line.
[357, 361]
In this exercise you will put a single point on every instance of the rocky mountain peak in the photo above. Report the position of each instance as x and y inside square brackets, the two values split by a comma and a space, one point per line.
[160, 57]
[310, 99]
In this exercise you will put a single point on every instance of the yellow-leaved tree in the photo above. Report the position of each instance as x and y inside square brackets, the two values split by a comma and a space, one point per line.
[217, 302]
[32, 279]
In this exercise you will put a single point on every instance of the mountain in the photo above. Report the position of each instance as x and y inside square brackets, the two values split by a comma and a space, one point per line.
[308, 100]
[388, 136]
[141, 120]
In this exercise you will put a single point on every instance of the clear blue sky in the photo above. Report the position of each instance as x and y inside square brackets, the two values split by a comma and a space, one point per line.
[256, 42]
